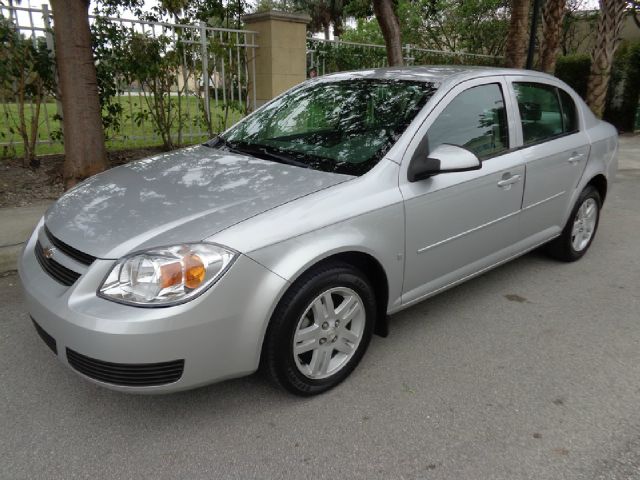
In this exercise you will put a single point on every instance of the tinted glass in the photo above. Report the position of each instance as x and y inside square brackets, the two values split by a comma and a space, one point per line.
[345, 126]
[476, 120]
[540, 112]
[569, 112]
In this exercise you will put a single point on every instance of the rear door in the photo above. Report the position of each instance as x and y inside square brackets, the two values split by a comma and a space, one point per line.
[555, 150]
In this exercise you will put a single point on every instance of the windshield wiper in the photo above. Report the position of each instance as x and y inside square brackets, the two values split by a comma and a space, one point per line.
[267, 153]
[282, 158]
[218, 141]
[254, 149]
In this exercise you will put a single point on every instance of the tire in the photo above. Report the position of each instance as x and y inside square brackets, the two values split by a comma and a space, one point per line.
[576, 237]
[305, 318]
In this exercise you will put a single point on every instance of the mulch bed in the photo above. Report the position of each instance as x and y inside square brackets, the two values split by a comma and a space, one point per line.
[20, 187]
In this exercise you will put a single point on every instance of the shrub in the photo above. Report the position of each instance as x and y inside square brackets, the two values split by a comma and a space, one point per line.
[624, 88]
[27, 78]
[624, 91]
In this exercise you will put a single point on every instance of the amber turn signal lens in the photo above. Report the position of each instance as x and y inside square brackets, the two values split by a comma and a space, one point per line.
[170, 274]
[194, 271]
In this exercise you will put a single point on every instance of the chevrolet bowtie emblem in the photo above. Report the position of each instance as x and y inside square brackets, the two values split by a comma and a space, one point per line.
[48, 252]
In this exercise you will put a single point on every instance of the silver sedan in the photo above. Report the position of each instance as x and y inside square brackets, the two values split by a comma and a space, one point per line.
[288, 240]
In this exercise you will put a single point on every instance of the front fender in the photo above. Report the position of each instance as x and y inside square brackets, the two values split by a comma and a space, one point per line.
[379, 233]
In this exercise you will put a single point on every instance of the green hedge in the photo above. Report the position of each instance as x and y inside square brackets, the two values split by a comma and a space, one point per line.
[574, 70]
[624, 87]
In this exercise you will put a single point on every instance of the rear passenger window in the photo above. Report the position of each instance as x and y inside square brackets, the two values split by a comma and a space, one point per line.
[475, 120]
[540, 112]
[569, 112]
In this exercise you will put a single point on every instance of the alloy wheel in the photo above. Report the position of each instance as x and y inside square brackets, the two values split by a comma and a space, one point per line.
[584, 224]
[329, 332]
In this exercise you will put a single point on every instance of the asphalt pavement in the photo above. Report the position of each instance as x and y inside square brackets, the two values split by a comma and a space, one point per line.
[531, 371]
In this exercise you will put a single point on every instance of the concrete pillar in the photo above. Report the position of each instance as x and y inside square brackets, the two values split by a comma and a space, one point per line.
[281, 56]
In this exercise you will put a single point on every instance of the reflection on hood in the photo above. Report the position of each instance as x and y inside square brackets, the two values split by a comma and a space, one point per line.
[182, 196]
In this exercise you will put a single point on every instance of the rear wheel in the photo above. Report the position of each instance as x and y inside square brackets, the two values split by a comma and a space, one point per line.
[578, 233]
[320, 330]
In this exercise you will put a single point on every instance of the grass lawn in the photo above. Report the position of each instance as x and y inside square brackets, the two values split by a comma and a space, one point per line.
[130, 134]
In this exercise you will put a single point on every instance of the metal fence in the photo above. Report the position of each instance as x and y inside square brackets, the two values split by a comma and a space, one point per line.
[328, 56]
[203, 80]
[197, 80]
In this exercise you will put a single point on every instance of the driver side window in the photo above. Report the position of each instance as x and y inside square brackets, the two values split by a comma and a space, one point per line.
[476, 120]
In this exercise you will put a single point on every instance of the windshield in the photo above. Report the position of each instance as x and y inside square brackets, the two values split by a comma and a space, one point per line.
[344, 126]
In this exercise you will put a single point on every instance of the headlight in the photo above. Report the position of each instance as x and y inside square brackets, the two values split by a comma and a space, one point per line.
[166, 276]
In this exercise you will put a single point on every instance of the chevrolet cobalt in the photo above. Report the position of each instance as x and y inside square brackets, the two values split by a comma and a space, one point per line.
[286, 241]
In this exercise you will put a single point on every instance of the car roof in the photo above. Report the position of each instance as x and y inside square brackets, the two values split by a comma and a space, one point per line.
[446, 76]
[432, 73]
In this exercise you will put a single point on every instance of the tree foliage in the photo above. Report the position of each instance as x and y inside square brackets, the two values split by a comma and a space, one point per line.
[473, 26]
[160, 67]
[578, 26]
[624, 89]
[215, 13]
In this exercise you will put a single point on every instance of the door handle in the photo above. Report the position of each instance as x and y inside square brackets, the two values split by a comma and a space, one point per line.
[506, 182]
[575, 158]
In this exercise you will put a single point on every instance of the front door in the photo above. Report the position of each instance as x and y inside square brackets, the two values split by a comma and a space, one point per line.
[459, 223]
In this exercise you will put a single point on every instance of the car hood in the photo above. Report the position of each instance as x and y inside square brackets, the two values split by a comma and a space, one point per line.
[179, 197]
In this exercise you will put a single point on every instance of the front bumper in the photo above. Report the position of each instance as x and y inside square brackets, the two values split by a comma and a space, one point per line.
[218, 334]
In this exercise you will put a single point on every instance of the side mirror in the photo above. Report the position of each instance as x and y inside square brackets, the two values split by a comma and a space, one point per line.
[444, 159]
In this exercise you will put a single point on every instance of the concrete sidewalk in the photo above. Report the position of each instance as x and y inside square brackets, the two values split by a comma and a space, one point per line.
[16, 224]
[629, 153]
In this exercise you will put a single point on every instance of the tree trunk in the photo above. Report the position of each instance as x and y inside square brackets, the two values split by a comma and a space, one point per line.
[635, 14]
[390, 26]
[607, 39]
[552, 17]
[517, 37]
[84, 148]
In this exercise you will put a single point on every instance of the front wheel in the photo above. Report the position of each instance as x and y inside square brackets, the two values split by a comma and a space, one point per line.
[320, 330]
[580, 229]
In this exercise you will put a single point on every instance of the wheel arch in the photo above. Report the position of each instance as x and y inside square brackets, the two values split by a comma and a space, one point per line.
[375, 273]
[597, 179]
[361, 260]
[599, 182]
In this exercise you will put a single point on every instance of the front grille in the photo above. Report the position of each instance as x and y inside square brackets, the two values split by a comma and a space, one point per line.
[46, 338]
[68, 250]
[59, 272]
[127, 374]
